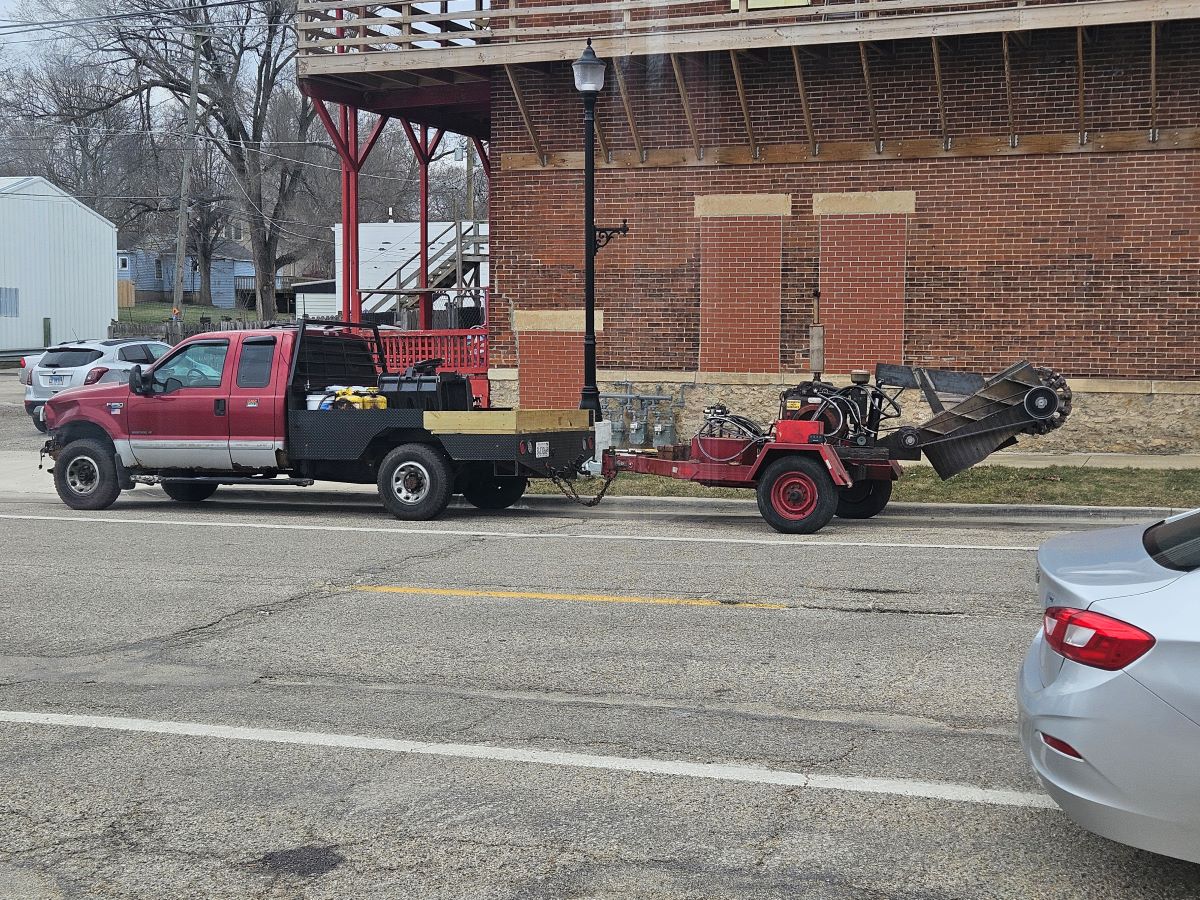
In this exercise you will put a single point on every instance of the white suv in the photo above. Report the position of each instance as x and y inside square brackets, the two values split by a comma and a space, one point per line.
[84, 362]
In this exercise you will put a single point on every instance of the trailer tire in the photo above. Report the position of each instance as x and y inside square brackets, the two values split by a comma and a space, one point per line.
[486, 490]
[796, 495]
[182, 492]
[85, 475]
[864, 499]
[415, 482]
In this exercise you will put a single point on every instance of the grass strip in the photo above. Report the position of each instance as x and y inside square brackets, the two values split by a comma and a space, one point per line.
[1056, 485]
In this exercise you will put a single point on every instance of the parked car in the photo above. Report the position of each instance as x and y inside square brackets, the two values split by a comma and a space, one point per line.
[1110, 690]
[84, 362]
[25, 367]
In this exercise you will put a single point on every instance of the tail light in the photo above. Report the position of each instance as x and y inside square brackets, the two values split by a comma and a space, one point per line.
[1094, 639]
[1060, 745]
[23, 364]
[95, 375]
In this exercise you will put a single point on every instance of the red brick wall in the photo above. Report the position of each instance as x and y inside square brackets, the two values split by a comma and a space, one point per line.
[739, 293]
[1090, 262]
[862, 290]
[551, 369]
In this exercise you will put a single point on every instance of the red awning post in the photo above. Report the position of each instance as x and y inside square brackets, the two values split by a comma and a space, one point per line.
[424, 148]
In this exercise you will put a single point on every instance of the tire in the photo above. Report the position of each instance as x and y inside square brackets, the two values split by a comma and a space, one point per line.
[864, 499]
[183, 492]
[486, 490]
[39, 423]
[796, 495]
[85, 475]
[415, 482]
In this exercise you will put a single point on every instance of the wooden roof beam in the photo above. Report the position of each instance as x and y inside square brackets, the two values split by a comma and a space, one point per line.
[1154, 82]
[941, 96]
[866, 69]
[755, 150]
[525, 117]
[1008, 92]
[687, 106]
[805, 109]
[623, 88]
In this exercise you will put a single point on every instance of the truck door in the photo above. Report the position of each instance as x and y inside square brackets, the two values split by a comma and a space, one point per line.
[256, 404]
[182, 422]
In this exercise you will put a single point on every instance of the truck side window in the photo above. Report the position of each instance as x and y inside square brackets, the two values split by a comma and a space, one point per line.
[196, 365]
[254, 367]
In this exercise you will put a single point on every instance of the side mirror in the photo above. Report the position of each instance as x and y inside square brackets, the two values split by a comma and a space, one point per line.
[137, 382]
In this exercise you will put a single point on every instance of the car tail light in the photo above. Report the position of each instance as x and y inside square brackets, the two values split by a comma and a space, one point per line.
[1060, 745]
[1094, 639]
[95, 375]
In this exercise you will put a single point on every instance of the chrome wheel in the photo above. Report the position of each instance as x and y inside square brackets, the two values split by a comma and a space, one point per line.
[83, 475]
[410, 482]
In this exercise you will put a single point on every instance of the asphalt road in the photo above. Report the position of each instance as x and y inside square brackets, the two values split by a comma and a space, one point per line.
[295, 696]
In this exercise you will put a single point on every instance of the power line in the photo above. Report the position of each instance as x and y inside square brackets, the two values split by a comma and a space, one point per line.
[26, 27]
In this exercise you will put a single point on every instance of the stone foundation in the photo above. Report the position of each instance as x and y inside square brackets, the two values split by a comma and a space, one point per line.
[1108, 416]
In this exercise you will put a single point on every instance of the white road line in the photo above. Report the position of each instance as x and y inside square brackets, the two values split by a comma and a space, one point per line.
[515, 535]
[901, 787]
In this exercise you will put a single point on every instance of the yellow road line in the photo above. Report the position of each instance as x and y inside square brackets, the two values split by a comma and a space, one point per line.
[528, 595]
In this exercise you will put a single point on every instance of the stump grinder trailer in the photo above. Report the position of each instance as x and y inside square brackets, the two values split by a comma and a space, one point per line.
[315, 401]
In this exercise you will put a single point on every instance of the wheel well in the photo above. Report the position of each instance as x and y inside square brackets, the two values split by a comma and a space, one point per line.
[769, 455]
[384, 442]
[78, 431]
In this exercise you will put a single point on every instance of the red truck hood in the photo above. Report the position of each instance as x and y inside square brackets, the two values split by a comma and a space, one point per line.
[91, 401]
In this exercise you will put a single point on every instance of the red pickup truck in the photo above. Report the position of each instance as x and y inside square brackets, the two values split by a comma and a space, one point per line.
[261, 408]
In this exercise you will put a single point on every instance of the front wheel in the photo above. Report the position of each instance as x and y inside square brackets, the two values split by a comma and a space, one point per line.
[185, 492]
[415, 482]
[85, 475]
[864, 499]
[796, 495]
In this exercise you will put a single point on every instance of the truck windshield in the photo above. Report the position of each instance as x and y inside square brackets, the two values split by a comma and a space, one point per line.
[1175, 542]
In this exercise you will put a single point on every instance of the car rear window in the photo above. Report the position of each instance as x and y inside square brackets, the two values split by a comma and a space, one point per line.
[69, 357]
[1175, 542]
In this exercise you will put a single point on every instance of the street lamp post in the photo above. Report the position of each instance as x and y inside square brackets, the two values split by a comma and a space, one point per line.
[589, 81]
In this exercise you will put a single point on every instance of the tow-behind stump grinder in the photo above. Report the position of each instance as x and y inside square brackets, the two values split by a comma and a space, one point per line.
[836, 451]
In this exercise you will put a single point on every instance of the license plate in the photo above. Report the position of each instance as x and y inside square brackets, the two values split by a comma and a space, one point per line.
[541, 450]
[57, 379]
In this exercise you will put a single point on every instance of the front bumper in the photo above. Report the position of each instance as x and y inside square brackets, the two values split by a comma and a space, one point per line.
[1137, 783]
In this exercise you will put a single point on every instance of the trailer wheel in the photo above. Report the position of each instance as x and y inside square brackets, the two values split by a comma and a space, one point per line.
[796, 495]
[415, 482]
[85, 475]
[183, 492]
[864, 499]
[486, 490]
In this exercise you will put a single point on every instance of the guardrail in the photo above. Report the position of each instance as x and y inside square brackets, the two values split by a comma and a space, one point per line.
[349, 26]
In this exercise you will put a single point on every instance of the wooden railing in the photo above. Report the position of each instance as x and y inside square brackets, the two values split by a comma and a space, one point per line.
[349, 26]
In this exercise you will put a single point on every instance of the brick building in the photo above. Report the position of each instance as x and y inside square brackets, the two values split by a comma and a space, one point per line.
[1024, 184]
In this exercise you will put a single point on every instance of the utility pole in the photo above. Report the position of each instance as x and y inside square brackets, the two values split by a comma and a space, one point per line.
[185, 179]
[470, 181]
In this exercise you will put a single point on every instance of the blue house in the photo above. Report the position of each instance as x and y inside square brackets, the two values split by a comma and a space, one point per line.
[153, 275]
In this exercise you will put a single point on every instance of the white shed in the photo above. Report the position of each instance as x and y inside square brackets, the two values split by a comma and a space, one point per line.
[58, 277]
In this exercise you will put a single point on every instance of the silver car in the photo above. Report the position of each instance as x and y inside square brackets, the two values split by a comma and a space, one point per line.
[84, 362]
[1110, 690]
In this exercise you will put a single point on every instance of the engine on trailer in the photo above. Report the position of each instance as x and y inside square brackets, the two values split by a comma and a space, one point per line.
[853, 414]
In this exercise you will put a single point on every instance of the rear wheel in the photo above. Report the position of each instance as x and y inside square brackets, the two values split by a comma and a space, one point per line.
[864, 499]
[85, 475]
[796, 495]
[486, 490]
[184, 492]
[415, 482]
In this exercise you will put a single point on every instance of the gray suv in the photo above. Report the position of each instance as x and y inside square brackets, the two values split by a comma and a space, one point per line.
[79, 363]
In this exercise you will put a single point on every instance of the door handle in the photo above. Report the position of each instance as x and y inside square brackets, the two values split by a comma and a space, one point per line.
[219, 406]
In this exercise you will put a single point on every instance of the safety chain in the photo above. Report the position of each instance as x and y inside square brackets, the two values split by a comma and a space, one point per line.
[568, 488]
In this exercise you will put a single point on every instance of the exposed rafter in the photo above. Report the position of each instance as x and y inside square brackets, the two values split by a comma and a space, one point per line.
[525, 117]
[601, 141]
[623, 88]
[805, 109]
[741, 91]
[1008, 92]
[687, 106]
[1079, 82]
[937, 77]
[866, 69]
